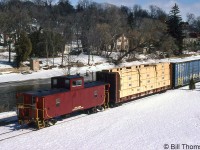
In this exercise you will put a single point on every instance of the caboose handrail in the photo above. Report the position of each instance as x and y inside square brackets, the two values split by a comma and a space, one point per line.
[43, 107]
[47, 113]
[106, 99]
[28, 105]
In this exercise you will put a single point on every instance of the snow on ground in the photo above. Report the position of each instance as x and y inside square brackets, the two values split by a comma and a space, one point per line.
[172, 117]
[4, 115]
[8, 116]
[96, 64]
[50, 73]
[149, 123]
[57, 71]
[4, 60]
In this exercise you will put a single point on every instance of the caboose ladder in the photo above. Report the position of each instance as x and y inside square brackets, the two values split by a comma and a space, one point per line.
[106, 102]
[40, 124]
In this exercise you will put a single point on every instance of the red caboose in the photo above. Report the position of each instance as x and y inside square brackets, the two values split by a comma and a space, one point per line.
[68, 94]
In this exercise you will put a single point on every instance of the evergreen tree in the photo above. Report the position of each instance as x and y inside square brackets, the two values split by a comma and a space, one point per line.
[192, 84]
[37, 45]
[174, 27]
[23, 48]
[131, 20]
[65, 7]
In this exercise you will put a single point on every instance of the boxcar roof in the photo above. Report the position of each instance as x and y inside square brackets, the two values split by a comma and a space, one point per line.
[181, 60]
[94, 83]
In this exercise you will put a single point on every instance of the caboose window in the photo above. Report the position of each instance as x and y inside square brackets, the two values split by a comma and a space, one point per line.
[74, 83]
[67, 83]
[55, 81]
[33, 100]
[77, 83]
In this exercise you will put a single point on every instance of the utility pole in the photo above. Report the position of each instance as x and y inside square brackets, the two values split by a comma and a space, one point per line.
[9, 41]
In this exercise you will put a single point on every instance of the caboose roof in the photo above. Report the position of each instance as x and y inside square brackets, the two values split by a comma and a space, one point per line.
[61, 90]
[46, 92]
[69, 76]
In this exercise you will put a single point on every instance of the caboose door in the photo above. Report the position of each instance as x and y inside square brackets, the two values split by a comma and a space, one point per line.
[33, 107]
[76, 103]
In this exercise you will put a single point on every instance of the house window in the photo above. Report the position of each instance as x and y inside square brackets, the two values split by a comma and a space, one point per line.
[118, 47]
[57, 102]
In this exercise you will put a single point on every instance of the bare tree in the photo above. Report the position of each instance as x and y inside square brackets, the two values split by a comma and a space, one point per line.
[149, 33]
[14, 18]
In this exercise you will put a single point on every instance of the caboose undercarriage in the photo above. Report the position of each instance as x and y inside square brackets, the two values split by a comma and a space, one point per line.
[37, 118]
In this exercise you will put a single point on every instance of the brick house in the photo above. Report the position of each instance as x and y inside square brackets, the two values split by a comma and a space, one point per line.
[192, 38]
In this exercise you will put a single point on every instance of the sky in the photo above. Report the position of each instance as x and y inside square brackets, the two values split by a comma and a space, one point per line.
[185, 6]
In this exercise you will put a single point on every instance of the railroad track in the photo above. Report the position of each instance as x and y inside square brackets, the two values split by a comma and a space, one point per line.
[26, 130]
[16, 132]
[15, 129]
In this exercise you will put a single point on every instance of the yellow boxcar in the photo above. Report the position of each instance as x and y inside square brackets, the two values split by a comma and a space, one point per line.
[127, 83]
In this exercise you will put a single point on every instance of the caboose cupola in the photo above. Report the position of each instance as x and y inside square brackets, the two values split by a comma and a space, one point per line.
[70, 82]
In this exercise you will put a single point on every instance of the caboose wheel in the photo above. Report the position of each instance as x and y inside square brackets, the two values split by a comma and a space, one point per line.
[47, 124]
[53, 121]
[100, 108]
[94, 110]
[112, 105]
[88, 111]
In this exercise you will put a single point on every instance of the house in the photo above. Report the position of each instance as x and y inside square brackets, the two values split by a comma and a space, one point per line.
[121, 43]
[5, 40]
[185, 28]
[74, 46]
[190, 37]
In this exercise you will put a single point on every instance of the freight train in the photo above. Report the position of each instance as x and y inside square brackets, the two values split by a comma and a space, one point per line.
[112, 87]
